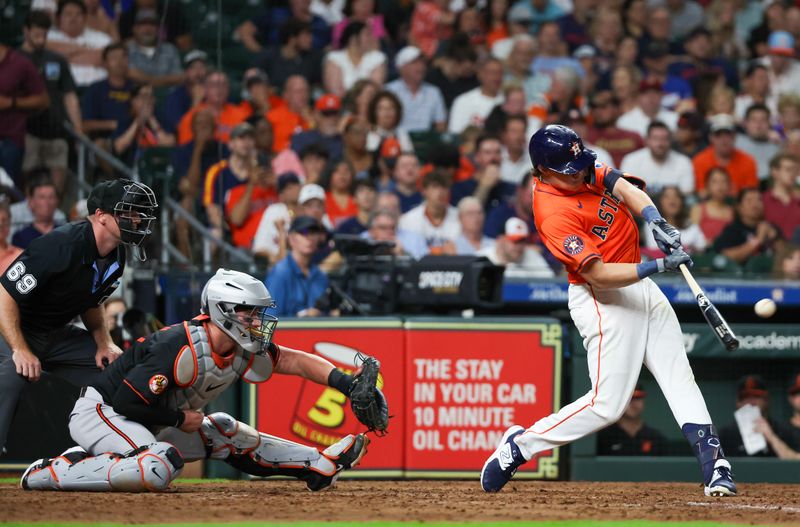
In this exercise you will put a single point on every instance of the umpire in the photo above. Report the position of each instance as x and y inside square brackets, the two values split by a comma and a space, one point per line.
[68, 272]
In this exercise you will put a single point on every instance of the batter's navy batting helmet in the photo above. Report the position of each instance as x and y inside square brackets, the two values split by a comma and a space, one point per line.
[560, 149]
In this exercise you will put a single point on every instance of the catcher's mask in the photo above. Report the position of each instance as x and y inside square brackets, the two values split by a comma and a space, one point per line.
[237, 303]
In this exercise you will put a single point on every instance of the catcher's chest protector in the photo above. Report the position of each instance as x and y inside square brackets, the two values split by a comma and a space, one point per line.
[200, 379]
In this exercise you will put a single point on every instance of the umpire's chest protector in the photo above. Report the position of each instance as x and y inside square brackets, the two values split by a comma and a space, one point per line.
[201, 375]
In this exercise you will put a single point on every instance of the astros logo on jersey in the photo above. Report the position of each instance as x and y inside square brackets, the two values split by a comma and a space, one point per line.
[573, 244]
[158, 383]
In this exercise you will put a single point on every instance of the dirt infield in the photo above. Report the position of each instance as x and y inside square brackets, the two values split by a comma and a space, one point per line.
[456, 501]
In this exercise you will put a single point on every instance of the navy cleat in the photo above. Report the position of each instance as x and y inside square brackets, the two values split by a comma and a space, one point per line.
[721, 483]
[503, 463]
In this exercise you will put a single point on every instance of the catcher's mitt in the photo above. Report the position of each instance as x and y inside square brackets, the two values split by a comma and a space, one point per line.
[366, 399]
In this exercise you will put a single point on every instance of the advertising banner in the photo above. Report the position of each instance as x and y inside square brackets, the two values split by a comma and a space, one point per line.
[467, 382]
[318, 416]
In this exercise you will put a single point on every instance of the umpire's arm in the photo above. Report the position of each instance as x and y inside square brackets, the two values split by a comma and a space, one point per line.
[95, 321]
[26, 362]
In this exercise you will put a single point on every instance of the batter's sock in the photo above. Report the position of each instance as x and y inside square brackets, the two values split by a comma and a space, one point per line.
[706, 446]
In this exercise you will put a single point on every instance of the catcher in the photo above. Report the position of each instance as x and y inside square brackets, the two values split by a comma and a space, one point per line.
[141, 421]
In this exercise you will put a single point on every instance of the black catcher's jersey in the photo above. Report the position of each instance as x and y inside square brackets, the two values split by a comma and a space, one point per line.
[61, 275]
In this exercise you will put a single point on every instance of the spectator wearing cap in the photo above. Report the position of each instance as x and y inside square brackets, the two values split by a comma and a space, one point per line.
[656, 59]
[749, 234]
[630, 436]
[782, 200]
[45, 138]
[189, 94]
[486, 183]
[658, 164]
[723, 153]
[586, 56]
[574, 25]
[384, 116]
[515, 159]
[561, 99]
[106, 102]
[518, 68]
[264, 29]
[604, 131]
[647, 110]
[757, 138]
[80, 45]
[327, 116]
[245, 204]
[552, 53]
[454, 73]
[471, 217]
[422, 102]
[700, 60]
[215, 99]
[269, 240]
[151, 61]
[434, 219]
[229, 173]
[337, 181]
[293, 55]
[751, 390]
[685, 15]
[405, 177]
[431, 23]
[293, 117]
[755, 89]
[174, 26]
[312, 203]
[359, 58]
[295, 283]
[513, 251]
[472, 107]
[140, 129]
[365, 197]
[784, 70]
[257, 96]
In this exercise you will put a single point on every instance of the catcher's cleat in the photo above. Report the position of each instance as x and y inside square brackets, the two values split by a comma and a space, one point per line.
[35, 466]
[721, 483]
[503, 463]
[345, 454]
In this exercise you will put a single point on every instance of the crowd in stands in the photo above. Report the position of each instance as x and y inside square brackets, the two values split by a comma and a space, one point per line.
[407, 121]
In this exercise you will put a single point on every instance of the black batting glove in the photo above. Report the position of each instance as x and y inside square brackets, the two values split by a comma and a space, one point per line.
[672, 262]
[667, 237]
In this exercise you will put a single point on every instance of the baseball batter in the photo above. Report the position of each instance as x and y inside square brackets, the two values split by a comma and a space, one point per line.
[583, 211]
[140, 422]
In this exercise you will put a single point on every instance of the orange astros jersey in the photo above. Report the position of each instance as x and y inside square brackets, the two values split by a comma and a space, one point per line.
[579, 226]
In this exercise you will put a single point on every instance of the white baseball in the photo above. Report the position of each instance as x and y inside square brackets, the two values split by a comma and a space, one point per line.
[765, 307]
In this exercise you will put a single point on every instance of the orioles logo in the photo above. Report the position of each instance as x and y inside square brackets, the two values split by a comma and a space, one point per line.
[573, 244]
[158, 383]
[576, 149]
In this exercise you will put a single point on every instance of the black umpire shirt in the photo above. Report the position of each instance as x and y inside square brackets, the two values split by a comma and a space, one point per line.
[59, 276]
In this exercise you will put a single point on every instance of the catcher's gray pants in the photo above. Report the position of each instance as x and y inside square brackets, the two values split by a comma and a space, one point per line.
[67, 352]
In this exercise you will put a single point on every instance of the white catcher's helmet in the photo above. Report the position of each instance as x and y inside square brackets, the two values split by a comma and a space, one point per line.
[237, 303]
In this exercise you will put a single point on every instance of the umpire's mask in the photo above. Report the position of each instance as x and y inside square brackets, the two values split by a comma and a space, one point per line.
[135, 214]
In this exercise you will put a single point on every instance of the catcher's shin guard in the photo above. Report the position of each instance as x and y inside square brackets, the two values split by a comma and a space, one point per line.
[223, 435]
[279, 457]
[150, 468]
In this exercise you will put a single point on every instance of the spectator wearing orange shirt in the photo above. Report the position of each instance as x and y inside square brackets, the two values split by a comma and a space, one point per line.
[295, 116]
[338, 200]
[257, 97]
[227, 115]
[722, 153]
[229, 173]
[431, 22]
[245, 204]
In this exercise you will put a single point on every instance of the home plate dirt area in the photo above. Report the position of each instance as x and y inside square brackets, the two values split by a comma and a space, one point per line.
[426, 501]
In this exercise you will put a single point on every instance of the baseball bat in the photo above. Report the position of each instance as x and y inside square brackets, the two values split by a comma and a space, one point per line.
[721, 328]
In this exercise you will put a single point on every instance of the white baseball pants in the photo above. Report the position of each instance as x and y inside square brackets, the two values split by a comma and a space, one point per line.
[621, 329]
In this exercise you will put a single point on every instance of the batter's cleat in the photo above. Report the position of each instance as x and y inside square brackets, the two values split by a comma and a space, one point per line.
[346, 454]
[503, 463]
[721, 483]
